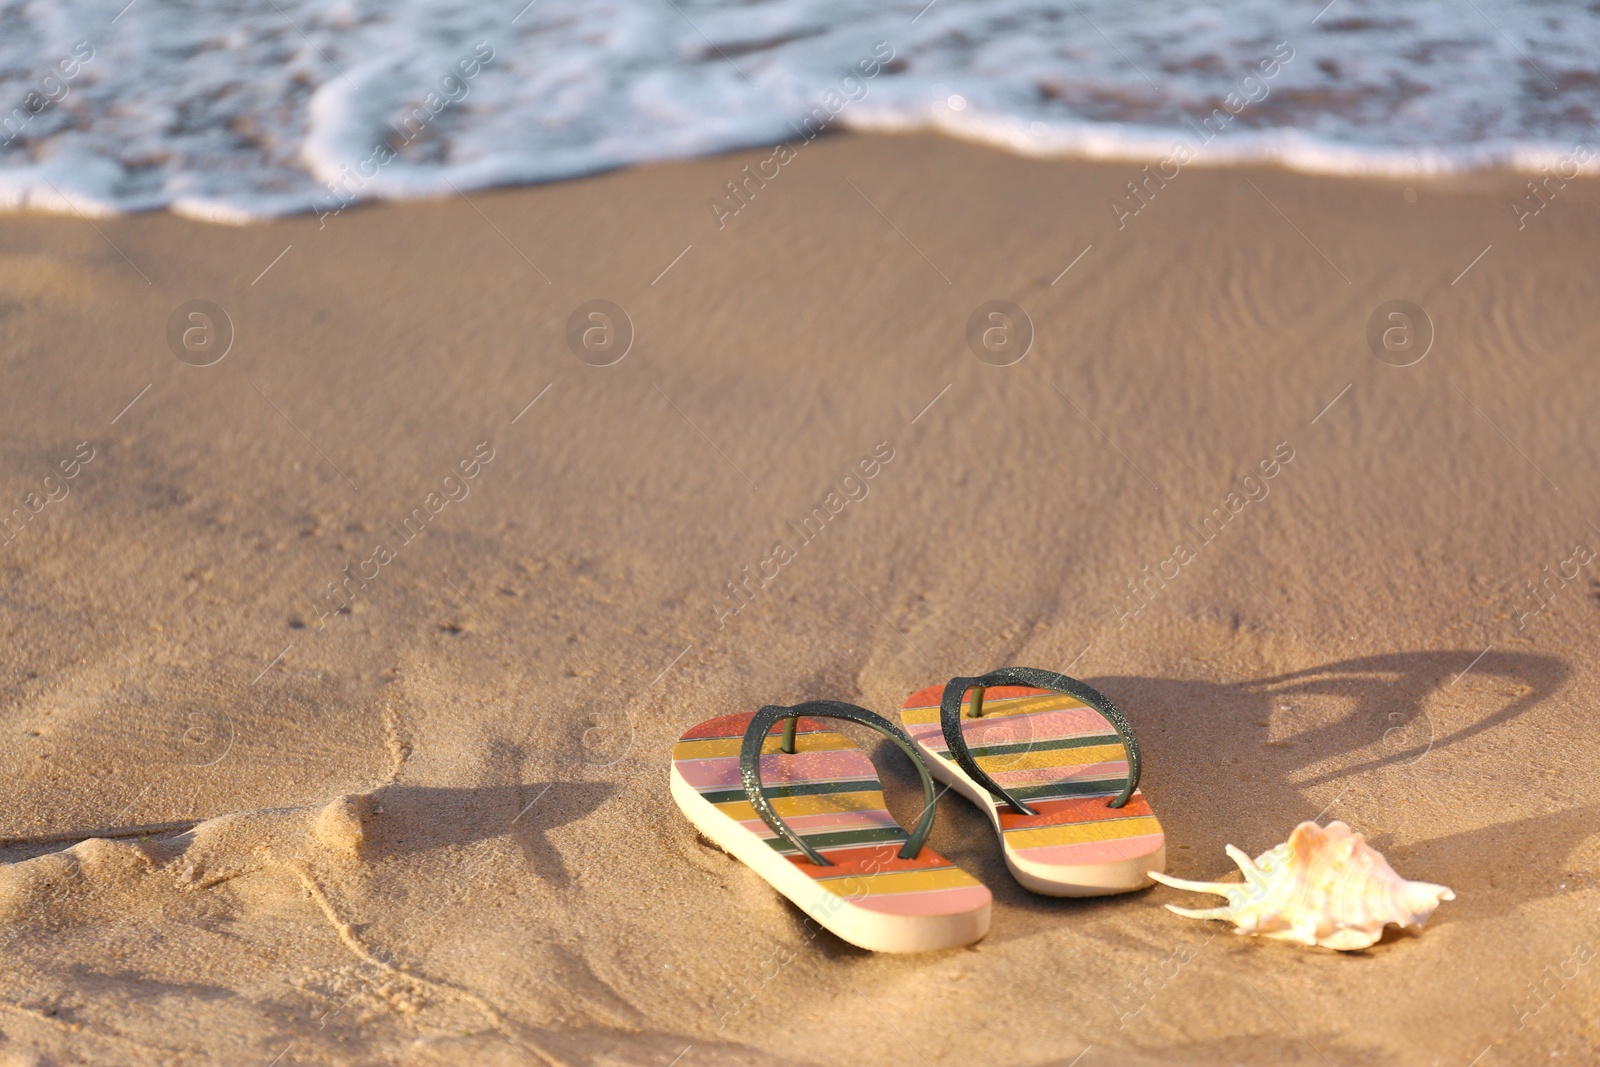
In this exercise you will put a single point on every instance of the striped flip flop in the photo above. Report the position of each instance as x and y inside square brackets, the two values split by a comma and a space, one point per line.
[803, 806]
[1055, 765]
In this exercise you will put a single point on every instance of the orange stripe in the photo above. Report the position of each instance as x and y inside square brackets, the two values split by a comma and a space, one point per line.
[1071, 810]
[868, 860]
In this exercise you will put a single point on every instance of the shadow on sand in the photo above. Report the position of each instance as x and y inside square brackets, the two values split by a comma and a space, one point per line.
[420, 818]
[1227, 763]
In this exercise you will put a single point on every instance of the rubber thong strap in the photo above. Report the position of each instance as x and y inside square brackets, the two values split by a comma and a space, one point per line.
[755, 736]
[955, 694]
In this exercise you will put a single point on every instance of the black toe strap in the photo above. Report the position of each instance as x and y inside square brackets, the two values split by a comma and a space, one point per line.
[955, 694]
[755, 736]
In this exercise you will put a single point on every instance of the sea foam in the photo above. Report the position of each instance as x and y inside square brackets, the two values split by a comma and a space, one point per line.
[237, 110]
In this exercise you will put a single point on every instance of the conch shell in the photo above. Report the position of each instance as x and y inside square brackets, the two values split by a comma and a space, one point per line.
[1323, 887]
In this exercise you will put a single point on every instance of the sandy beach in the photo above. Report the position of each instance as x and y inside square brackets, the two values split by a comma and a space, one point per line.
[341, 674]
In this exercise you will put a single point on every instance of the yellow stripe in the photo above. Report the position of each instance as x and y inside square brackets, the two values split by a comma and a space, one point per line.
[872, 885]
[816, 804]
[712, 747]
[1008, 706]
[1081, 832]
[1059, 757]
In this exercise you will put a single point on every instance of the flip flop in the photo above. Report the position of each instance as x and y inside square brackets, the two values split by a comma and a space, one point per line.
[803, 807]
[1055, 765]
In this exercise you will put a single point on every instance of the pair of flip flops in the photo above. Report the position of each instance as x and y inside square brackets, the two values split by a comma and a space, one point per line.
[1052, 762]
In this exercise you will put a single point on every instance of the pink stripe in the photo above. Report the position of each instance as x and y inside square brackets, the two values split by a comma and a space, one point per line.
[779, 769]
[1012, 729]
[1052, 775]
[841, 820]
[955, 901]
[1091, 852]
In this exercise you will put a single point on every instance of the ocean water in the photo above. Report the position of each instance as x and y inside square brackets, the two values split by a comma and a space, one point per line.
[232, 110]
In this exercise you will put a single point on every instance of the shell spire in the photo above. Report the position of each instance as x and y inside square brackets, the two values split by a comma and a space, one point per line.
[1323, 886]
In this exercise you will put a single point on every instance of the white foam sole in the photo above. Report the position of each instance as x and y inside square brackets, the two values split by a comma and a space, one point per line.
[860, 926]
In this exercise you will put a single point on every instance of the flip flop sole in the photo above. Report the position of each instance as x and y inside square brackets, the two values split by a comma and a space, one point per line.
[829, 793]
[1066, 762]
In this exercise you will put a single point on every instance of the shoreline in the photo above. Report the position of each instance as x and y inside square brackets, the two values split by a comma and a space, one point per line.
[1534, 167]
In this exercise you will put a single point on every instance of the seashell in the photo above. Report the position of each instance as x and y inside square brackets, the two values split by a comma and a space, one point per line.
[1323, 886]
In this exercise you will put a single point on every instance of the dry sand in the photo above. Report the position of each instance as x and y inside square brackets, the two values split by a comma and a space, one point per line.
[508, 881]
